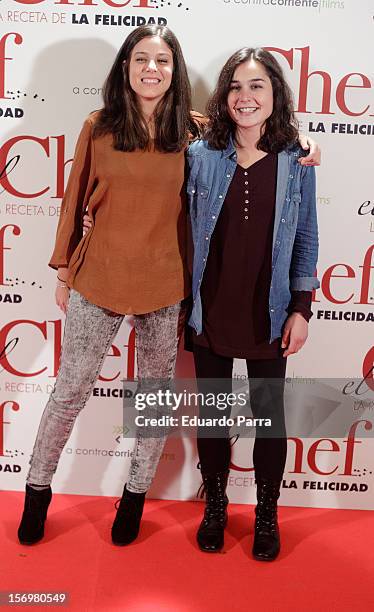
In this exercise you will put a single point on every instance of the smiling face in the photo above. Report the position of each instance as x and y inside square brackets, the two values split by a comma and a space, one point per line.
[250, 99]
[151, 69]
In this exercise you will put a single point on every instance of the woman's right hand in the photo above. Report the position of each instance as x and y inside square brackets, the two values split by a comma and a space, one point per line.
[62, 298]
[87, 224]
[62, 290]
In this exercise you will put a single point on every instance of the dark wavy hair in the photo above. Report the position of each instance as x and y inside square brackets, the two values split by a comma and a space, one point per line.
[280, 128]
[122, 116]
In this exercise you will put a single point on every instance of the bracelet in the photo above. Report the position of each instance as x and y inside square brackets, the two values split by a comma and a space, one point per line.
[60, 279]
[62, 286]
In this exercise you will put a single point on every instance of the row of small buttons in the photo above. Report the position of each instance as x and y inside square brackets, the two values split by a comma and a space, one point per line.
[246, 201]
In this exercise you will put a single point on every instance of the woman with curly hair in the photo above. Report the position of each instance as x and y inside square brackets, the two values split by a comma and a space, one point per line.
[254, 225]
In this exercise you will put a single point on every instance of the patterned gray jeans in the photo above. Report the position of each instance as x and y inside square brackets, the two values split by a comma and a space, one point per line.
[89, 331]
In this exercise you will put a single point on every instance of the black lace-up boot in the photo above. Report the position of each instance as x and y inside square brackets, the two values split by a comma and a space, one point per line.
[31, 528]
[126, 525]
[210, 535]
[266, 543]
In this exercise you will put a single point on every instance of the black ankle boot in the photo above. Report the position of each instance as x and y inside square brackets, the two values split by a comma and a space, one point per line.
[31, 528]
[126, 525]
[266, 543]
[210, 535]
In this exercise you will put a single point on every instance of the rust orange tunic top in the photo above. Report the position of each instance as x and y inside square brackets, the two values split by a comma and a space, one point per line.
[133, 260]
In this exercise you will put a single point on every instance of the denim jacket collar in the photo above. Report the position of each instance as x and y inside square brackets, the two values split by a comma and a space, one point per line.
[230, 149]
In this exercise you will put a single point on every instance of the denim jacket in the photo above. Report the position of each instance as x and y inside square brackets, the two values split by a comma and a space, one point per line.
[295, 234]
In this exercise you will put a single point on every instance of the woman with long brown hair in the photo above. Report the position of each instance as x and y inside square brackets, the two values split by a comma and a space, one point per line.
[128, 173]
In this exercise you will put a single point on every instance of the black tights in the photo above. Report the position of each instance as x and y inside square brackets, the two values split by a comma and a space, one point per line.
[269, 454]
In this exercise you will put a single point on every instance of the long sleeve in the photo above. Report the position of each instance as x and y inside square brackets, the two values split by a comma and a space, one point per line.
[301, 301]
[78, 191]
[305, 249]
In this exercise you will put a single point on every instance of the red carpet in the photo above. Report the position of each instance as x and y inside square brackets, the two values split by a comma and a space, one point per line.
[326, 562]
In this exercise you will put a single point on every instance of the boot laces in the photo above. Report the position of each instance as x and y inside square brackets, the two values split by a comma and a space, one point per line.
[215, 512]
[266, 524]
[216, 503]
[266, 516]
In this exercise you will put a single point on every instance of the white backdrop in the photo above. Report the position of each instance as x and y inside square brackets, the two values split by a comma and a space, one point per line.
[54, 56]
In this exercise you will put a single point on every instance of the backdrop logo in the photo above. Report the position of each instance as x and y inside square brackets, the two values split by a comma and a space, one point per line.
[7, 41]
[14, 230]
[366, 209]
[337, 280]
[305, 461]
[9, 158]
[28, 12]
[291, 4]
[337, 91]
[5, 405]
[337, 285]
[12, 334]
[112, 3]
[368, 368]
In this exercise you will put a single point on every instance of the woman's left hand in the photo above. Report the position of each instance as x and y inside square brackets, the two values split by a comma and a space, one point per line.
[295, 334]
[314, 157]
